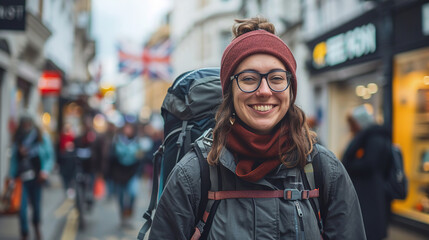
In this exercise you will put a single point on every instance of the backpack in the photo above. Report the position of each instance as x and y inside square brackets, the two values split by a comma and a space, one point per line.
[188, 110]
[396, 182]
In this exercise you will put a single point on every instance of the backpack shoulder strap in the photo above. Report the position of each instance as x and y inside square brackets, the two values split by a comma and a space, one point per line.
[313, 179]
[204, 218]
[205, 180]
[154, 196]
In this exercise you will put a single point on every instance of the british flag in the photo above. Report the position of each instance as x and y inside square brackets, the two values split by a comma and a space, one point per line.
[153, 62]
[156, 61]
[130, 61]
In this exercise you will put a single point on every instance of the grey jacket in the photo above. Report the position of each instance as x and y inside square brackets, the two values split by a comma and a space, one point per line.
[259, 218]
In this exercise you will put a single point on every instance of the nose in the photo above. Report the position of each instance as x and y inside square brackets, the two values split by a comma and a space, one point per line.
[264, 90]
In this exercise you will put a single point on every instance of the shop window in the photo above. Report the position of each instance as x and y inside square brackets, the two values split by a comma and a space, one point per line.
[411, 130]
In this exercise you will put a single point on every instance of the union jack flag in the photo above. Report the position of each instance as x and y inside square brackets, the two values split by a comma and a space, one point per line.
[130, 61]
[156, 61]
[153, 62]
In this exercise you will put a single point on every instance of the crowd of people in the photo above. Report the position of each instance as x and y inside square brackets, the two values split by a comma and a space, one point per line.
[119, 156]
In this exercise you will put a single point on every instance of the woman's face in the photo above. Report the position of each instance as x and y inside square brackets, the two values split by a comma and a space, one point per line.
[263, 109]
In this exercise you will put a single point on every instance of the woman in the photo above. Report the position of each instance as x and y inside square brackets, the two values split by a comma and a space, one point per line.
[32, 159]
[260, 142]
[366, 162]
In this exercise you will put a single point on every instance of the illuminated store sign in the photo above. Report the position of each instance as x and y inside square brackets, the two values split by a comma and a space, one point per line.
[50, 83]
[343, 47]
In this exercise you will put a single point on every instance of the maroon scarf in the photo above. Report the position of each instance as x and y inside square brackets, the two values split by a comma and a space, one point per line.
[257, 154]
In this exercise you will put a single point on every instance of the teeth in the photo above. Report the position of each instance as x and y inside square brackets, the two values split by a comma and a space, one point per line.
[262, 108]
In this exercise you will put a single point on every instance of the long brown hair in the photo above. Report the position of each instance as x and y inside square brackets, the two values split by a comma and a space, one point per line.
[301, 137]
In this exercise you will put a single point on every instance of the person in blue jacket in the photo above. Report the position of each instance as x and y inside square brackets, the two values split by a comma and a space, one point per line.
[127, 155]
[32, 159]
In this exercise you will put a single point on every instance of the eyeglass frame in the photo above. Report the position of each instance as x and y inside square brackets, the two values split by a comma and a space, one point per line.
[263, 75]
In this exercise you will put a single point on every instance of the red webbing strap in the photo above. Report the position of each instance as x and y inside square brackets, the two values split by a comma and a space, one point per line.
[288, 194]
[196, 235]
[197, 232]
[205, 216]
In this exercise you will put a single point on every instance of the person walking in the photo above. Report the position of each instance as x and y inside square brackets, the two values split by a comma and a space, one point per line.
[261, 141]
[66, 159]
[365, 159]
[32, 160]
[125, 169]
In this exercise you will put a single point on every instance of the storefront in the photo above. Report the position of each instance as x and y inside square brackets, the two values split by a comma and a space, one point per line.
[346, 69]
[363, 62]
[411, 107]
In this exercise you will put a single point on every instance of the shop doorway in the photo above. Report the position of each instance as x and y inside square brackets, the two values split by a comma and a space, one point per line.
[344, 96]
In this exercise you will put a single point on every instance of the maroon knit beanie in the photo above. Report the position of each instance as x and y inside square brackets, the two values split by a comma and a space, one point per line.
[253, 42]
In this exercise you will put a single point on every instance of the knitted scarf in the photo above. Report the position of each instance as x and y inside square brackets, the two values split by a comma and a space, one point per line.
[257, 154]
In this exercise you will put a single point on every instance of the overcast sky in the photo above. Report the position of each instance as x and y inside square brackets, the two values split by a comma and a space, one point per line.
[123, 20]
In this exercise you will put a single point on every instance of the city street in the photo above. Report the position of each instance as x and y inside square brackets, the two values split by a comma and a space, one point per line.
[103, 222]
[60, 217]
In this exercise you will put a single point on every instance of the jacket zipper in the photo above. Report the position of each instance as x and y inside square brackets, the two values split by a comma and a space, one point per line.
[300, 214]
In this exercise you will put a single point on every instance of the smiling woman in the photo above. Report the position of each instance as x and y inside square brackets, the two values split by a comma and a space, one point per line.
[260, 157]
[263, 109]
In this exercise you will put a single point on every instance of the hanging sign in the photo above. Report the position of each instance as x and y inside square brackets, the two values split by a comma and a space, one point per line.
[50, 83]
[12, 15]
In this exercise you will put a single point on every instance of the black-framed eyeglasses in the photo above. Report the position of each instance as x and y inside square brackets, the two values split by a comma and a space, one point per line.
[249, 80]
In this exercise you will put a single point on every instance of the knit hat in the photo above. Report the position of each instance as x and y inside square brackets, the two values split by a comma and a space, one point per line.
[253, 42]
[362, 116]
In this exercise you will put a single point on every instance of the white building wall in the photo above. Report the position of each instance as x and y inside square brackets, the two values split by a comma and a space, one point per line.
[320, 18]
[198, 29]
[58, 16]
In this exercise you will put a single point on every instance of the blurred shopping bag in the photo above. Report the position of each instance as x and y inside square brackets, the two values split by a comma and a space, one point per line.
[10, 201]
[99, 188]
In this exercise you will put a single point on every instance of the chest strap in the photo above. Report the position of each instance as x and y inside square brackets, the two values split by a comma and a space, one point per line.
[288, 194]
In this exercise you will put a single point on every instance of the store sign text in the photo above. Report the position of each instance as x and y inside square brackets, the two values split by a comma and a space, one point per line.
[12, 15]
[343, 47]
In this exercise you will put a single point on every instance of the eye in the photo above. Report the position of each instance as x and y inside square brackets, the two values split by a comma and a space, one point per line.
[248, 78]
[277, 78]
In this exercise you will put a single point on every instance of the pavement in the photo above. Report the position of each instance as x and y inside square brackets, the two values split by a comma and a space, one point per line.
[59, 219]
[52, 198]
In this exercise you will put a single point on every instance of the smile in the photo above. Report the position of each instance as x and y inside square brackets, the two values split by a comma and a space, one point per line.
[262, 108]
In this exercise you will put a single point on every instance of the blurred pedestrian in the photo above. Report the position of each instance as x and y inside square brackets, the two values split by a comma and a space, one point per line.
[106, 157]
[88, 152]
[66, 158]
[125, 169]
[366, 162]
[261, 141]
[32, 160]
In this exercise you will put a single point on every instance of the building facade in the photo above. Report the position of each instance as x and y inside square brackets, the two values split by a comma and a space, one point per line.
[200, 31]
[374, 53]
[46, 43]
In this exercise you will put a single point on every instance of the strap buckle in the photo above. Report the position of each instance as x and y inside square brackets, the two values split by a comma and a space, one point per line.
[292, 194]
[208, 137]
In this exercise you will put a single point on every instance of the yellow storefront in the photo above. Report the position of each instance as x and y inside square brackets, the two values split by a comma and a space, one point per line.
[410, 108]
[411, 129]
